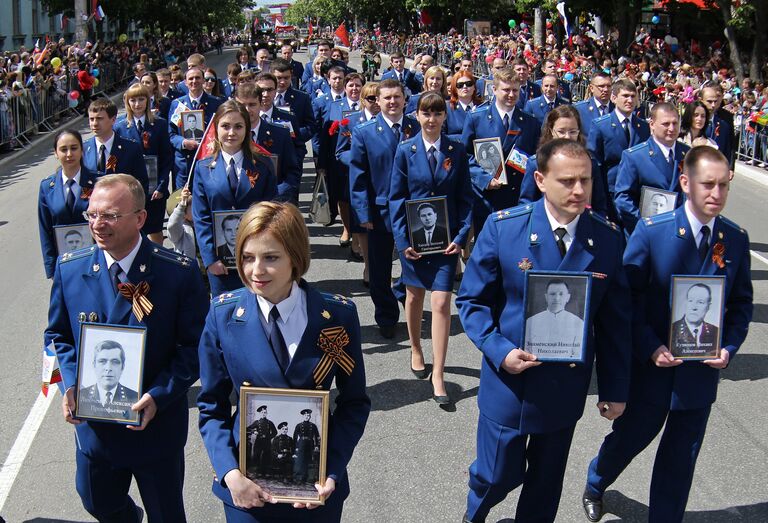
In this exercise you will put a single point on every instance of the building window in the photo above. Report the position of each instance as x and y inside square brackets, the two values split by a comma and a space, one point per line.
[16, 16]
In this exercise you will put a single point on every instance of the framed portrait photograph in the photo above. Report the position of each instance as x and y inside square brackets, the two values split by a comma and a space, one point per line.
[428, 227]
[696, 316]
[490, 156]
[556, 310]
[151, 163]
[489, 89]
[193, 124]
[655, 201]
[224, 231]
[110, 365]
[72, 237]
[284, 441]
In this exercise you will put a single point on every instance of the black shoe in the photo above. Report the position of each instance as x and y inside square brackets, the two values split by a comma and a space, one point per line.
[466, 519]
[355, 256]
[345, 243]
[440, 400]
[420, 374]
[387, 331]
[593, 506]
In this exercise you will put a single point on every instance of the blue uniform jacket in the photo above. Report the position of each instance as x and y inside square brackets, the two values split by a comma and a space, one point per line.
[660, 247]
[644, 164]
[130, 159]
[607, 142]
[344, 141]
[550, 396]
[301, 107]
[234, 349]
[371, 156]
[412, 179]
[719, 130]
[52, 210]
[211, 192]
[563, 89]
[160, 107]
[485, 122]
[529, 191]
[277, 140]
[279, 115]
[183, 157]
[454, 121]
[539, 107]
[588, 113]
[81, 284]
[327, 112]
[528, 91]
[408, 79]
[158, 144]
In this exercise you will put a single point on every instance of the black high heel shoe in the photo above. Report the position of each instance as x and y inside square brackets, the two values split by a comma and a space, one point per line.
[440, 400]
[419, 373]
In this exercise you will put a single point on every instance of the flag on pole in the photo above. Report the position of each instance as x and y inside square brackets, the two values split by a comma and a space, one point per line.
[37, 45]
[310, 28]
[204, 149]
[561, 10]
[343, 34]
[51, 371]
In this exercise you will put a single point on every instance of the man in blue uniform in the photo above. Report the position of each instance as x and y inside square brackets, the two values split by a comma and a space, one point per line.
[405, 76]
[667, 392]
[324, 50]
[563, 88]
[528, 89]
[718, 128]
[370, 167]
[597, 105]
[85, 287]
[293, 100]
[286, 53]
[540, 106]
[655, 163]
[528, 408]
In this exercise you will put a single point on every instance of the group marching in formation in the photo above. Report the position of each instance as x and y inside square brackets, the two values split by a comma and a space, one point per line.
[497, 182]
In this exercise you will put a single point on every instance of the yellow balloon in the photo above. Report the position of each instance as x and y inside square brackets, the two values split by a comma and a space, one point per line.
[95, 82]
[122, 38]
[56, 62]
[458, 54]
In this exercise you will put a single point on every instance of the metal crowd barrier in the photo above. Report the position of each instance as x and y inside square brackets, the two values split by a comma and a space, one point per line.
[752, 144]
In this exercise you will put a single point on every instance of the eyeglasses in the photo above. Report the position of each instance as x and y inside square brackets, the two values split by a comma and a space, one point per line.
[210, 79]
[370, 99]
[566, 134]
[109, 217]
[462, 85]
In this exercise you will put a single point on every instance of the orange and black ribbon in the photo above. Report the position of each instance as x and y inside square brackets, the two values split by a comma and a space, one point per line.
[137, 294]
[332, 342]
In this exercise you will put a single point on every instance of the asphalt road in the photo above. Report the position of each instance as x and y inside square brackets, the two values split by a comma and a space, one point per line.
[411, 465]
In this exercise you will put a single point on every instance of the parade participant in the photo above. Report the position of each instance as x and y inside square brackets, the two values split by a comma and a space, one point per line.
[564, 122]
[539, 107]
[143, 127]
[464, 99]
[612, 134]
[194, 61]
[528, 89]
[195, 99]
[516, 129]
[283, 448]
[109, 455]
[549, 66]
[262, 60]
[372, 151]
[276, 139]
[425, 166]
[528, 408]
[284, 118]
[720, 126]
[434, 79]
[244, 59]
[666, 392]
[267, 335]
[211, 84]
[232, 178]
[693, 124]
[467, 65]
[599, 104]
[164, 86]
[296, 69]
[323, 52]
[108, 153]
[64, 195]
[657, 163]
[158, 104]
[260, 434]
[405, 76]
[230, 83]
[292, 99]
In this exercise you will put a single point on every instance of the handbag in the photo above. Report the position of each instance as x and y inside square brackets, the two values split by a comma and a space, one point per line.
[320, 209]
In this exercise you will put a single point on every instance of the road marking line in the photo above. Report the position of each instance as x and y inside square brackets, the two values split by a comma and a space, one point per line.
[23, 442]
[754, 254]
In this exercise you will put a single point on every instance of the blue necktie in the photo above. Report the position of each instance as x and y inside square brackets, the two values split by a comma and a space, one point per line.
[432, 160]
[277, 341]
[194, 105]
[704, 243]
[232, 176]
[70, 195]
[396, 130]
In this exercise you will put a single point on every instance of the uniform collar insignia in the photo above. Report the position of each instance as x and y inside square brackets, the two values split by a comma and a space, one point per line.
[142, 268]
[96, 267]
[327, 315]
[240, 311]
[93, 317]
[720, 235]
[590, 242]
[681, 231]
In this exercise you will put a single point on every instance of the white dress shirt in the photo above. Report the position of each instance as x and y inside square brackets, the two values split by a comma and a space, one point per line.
[570, 228]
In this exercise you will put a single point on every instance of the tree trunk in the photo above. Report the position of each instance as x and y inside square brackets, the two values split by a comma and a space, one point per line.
[758, 46]
[539, 26]
[733, 44]
[627, 17]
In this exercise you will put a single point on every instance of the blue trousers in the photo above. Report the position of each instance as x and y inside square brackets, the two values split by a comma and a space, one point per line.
[502, 455]
[675, 458]
[103, 489]
[380, 245]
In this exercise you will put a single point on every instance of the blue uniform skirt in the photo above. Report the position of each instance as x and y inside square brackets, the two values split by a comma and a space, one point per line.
[434, 272]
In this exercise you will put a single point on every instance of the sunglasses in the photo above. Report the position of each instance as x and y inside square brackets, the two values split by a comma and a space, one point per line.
[462, 85]
[210, 79]
[370, 99]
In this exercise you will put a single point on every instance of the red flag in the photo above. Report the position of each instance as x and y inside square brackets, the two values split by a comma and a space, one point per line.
[310, 28]
[205, 149]
[343, 34]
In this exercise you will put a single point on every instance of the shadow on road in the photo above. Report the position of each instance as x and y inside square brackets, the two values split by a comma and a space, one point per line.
[760, 313]
[631, 511]
[749, 367]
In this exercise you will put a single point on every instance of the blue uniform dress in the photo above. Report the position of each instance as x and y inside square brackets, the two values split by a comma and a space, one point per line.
[109, 454]
[211, 192]
[235, 349]
[645, 164]
[154, 142]
[183, 158]
[412, 179]
[128, 159]
[678, 397]
[530, 417]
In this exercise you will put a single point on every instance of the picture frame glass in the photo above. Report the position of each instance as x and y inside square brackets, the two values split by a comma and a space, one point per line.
[696, 316]
[225, 224]
[655, 201]
[150, 161]
[490, 156]
[428, 225]
[72, 237]
[193, 124]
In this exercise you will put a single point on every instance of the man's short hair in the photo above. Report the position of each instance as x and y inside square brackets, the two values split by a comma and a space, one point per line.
[337, 69]
[248, 90]
[563, 146]
[700, 285]
[196, 58]
[558, 281]
[163, 72]
[553, 76]
[133, 185]
[600, 75]
[389, 83]
[397, 54]
[103, 104]
[266, 77]
[703, 152]
[281, 65]
[325, 43]
[108, 345]
[663, 107]
[72, 233]
[354, 76]
[229, 218]
[715, 87]
[137, 66]
[426, 205]
[623, 84]
[234, 69]
[519, 61]
[191, 69]
[506, 75]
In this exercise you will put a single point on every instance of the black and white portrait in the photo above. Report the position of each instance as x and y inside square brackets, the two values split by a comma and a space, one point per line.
[109, 371]
[225, 230]
[72, 237]
[428, 225]
[151, 163]
[489, 155]
[656, 201]
[283, 440]
[556, 306]
[697, 311]
[192, 124]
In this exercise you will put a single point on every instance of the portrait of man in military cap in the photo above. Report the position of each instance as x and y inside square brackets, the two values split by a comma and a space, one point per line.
[695, 334]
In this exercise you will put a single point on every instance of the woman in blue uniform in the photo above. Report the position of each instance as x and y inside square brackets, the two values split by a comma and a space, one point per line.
[464, 98]
[142, 126]
[272, 247]
[232, 178]
[434, 80]
[426, 166]
[64, 195]
[158, 104]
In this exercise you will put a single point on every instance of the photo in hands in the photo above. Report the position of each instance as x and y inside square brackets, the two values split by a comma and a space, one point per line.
[428, 227]
[284, 441]
[150, 161]
[225, 225]
[72, 237]
[696, 316]
[490, 156]
[110, 365]
[655, 201]
[556, 313]
[193, 124]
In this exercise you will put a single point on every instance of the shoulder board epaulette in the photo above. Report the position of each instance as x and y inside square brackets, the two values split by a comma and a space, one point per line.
[483, 105]
[77, 254]
[601, 220]
[659, 218]
[228, 297]
[369, 123]
[602, 118]
[49, 180]
[512, 212]
[639, 146]
[482, 108]
[338, 299]
[733, 224]
[171, 256]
